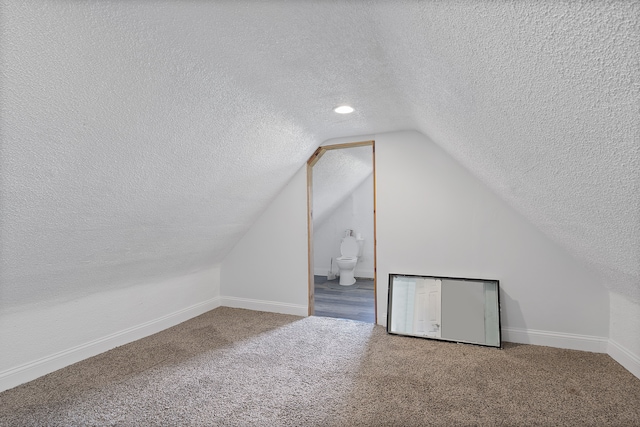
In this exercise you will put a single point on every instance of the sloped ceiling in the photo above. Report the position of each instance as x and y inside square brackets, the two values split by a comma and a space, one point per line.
[141, 139]
[335, 176]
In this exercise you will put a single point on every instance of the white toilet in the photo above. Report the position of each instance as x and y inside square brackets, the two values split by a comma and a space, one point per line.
[350, 248]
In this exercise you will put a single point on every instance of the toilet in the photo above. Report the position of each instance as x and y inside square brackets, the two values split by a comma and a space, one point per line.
[350, 248]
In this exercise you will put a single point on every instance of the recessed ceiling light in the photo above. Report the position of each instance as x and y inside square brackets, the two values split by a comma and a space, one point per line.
[343, 109]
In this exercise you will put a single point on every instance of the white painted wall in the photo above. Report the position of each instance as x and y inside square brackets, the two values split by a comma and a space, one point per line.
[434, 217]
[267, 269]
[47, 336]
[624, 332]
[355, 213]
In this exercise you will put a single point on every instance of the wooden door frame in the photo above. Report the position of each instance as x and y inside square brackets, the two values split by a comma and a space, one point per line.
[310, 163]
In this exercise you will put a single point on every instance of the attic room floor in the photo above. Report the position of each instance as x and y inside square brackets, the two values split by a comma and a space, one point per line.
[355, 302]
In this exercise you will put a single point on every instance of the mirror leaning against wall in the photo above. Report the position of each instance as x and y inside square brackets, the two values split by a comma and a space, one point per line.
[445, 308]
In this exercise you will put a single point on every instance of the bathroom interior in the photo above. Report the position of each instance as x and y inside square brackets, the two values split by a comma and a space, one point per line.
[343, 234]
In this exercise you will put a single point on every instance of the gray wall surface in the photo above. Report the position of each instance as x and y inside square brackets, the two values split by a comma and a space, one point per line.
[463, 310]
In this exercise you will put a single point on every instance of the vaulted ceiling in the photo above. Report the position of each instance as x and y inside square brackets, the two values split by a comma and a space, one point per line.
[143, 138]
[336, 175]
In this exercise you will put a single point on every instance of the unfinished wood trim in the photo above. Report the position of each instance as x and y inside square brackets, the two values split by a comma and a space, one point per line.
[310, 163]
[310, 230]
[375, 240]
[347, 145]
[316, 156]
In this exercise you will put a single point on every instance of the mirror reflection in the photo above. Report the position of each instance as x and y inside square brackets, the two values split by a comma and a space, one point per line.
[445, 308]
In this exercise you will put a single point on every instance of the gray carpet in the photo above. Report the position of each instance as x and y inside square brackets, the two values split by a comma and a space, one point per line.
[232, 367]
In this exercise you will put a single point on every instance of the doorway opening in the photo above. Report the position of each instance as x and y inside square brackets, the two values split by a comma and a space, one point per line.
[341, 231]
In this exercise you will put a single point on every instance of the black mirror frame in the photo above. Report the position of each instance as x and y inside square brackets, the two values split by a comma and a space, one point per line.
[389, 303]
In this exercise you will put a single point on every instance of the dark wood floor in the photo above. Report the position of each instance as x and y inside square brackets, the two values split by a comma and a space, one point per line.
[355, 302]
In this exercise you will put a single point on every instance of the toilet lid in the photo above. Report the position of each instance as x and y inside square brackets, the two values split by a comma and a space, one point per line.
[349, 247]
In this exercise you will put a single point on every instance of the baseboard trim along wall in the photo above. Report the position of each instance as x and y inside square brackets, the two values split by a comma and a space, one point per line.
[367, 274]
[319, 271]
[37, 368]
[32, 370]
[556, 339]
[261, 305]
[590, 343]
[622, 355]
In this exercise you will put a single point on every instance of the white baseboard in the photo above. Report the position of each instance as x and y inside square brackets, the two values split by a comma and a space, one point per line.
[261, 305]
[625, 357]
[32, 370]
[324, 271]
[550, 339]
[556, 339]
[37, 368]
[367, 274]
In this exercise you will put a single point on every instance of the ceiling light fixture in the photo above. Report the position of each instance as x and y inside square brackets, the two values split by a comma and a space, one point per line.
[343, 109]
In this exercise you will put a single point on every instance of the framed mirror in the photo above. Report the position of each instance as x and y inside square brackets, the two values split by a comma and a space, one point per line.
[445, 308]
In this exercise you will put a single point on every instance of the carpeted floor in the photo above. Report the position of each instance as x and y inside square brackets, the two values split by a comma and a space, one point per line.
[233, 367]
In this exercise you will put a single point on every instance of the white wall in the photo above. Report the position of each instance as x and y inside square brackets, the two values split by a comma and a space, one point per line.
[434, 217]
[267, 269]
[355, 213]
[624, 332]
[47, 336]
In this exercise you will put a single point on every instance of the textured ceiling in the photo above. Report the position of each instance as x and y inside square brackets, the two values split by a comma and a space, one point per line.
[142, 138]
[336, 175]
